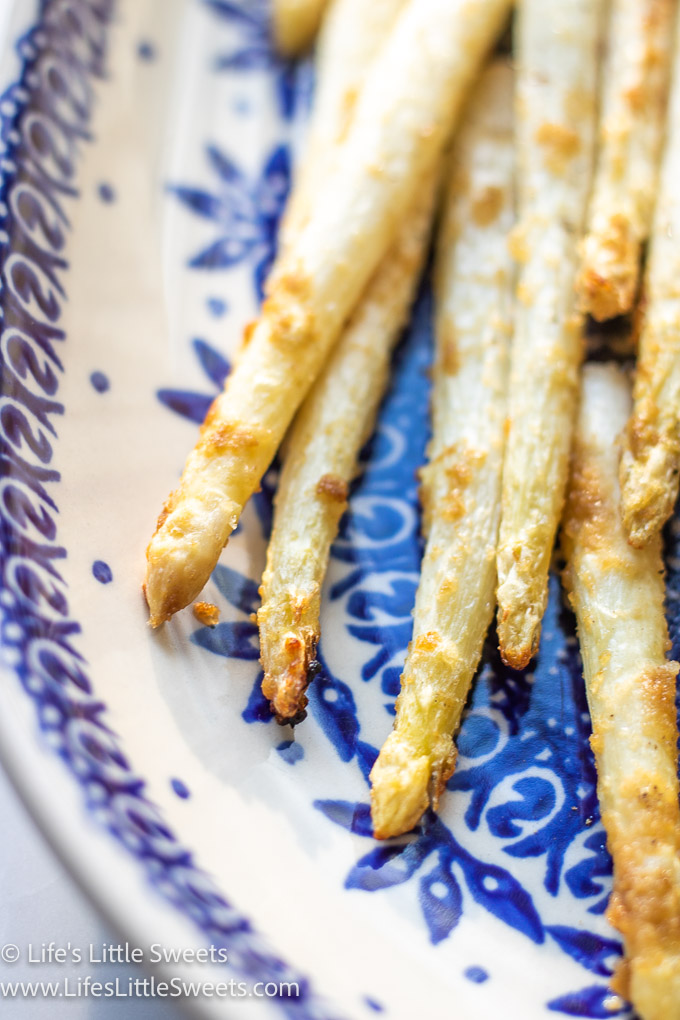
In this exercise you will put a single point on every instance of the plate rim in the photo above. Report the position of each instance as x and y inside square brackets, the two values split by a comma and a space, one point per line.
[258, 955]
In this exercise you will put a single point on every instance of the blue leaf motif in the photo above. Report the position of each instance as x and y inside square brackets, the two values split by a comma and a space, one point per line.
[592, 951]
[261, 274]
[236, 639]
[255, 52]
[249, 15]
[335, 710]
[386, 866]
[225, 167]
[366, 756]
[441, 901]
[228, 251]
[214, 364]
[288, 88]
[251, 58]
[502, 895]
[273, 189]
[246, 212]
[193, 406]
[239, 590]
[200, 202]
[258, 708]
[390, 682]
[591, 1002]
[351, 816]
[232, 638]
[188, 404]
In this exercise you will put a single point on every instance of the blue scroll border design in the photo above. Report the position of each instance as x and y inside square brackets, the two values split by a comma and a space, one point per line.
[44, 119]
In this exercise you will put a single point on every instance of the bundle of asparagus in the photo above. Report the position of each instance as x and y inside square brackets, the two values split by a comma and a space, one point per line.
[546, 204]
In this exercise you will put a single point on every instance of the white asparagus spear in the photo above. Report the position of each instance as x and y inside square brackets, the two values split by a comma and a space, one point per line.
[295, 24]
[650, 465]
[321, 459]
[557, 56]
[351, 35]
[337, 416]
[633, 105]
[404, 115]
[461, 485]
[617, 593]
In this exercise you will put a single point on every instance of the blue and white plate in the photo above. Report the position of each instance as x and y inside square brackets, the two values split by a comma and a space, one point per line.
[145, 155]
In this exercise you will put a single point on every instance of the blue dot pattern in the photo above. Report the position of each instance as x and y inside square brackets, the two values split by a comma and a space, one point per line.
[217, 306]
[106, 193]
[146, 50]
[476, 974]
[102, 572]
[180, 788]
[100, 382]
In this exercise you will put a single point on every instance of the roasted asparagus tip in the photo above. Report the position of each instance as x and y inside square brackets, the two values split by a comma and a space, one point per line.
[406, 780]
[519, 630]
[399, 788]
[609, 276]
[285, 686]
[173, 579]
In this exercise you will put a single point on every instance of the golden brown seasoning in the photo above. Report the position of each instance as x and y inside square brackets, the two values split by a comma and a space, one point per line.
[248, 331]
[228, 435]
[168, 507]
[578, 104]
[286, 690]
[588, 511]
[207, 613]
[448, 346]
[487, 205]
[333, 487]
[560, 144]
[608, 290]
[518, 245]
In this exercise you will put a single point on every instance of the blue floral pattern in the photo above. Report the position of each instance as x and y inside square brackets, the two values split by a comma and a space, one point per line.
[254, 52]
[188, 403]
[245, 212]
